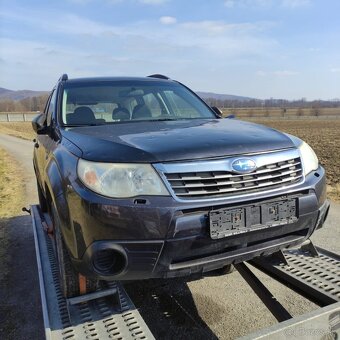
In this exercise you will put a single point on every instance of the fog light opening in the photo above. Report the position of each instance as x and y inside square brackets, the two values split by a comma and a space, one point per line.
[109, 262]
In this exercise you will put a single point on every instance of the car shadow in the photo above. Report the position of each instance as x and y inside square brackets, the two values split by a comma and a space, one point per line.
[20, 311]
[168, 308]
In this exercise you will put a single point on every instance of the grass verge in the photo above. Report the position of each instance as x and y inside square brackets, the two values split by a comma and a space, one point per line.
[18, 129]
[12, 186]
[11, 200]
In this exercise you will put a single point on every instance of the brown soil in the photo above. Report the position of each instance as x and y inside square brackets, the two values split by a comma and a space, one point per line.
[323, 135]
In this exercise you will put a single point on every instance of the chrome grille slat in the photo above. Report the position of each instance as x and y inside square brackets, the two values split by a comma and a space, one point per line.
[210, 183]
[267, 184]
[193, 178]
[257, 179]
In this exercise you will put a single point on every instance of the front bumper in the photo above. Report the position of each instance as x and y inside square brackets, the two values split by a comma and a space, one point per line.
[163, 238]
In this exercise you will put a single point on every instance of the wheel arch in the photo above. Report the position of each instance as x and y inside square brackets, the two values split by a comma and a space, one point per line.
[55, 188]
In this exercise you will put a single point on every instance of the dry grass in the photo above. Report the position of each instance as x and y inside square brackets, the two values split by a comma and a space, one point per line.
[18, 129]
[11, 186]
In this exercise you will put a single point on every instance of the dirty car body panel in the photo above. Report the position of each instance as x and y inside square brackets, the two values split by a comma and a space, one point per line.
[211, 215]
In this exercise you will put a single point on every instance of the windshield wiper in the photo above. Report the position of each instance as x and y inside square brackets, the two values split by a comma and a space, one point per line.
[79, 125]
[162, 119]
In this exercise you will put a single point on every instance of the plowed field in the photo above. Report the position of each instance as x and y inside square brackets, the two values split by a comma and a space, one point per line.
[323, 135]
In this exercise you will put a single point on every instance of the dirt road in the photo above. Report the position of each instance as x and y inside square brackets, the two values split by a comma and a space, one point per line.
[212, 307]
[20, 309]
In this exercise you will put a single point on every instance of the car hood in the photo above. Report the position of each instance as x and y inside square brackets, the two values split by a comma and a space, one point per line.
[161, 141]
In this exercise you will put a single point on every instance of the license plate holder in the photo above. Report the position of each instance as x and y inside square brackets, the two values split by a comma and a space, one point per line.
[232, 221]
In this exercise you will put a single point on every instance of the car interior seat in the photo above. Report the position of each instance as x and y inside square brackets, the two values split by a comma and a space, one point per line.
[81, 115]
[141, 111]
[120, 113]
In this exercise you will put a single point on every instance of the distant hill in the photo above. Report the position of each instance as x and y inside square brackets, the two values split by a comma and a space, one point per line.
[206, 95]
[21, 94]
[18, 95]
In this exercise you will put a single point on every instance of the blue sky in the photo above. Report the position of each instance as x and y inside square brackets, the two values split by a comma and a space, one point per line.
[257, 48]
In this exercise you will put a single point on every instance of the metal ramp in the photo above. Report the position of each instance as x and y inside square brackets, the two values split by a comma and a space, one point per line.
[109, 314]
[311, 271]
[323, 324]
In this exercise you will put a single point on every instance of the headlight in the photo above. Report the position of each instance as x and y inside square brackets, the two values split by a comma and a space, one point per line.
[121, 180]
[309, 159]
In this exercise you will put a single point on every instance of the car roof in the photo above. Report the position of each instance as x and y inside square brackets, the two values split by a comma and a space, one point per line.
[115, 79]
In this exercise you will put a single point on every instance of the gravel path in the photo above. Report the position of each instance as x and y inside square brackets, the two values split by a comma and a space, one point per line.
[213, 307]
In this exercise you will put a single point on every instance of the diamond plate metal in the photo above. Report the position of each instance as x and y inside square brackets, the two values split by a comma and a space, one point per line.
[318, 277]
[109, 317]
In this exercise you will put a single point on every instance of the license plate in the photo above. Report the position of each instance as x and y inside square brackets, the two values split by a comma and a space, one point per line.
[228, 222]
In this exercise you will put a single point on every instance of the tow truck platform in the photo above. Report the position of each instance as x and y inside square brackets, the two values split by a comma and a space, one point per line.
[106, 314]
[109, 313]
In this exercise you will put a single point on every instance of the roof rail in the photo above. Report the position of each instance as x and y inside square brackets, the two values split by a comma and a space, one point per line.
[64, 77]
[159, 76]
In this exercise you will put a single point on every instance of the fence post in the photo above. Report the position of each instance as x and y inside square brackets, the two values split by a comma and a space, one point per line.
[8, 117]
[24, 117]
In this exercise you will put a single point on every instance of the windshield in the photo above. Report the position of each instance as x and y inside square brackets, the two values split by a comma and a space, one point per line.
[107, 102]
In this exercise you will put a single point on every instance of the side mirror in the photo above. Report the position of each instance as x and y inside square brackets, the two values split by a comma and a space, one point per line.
[218, 112]
[39, 124]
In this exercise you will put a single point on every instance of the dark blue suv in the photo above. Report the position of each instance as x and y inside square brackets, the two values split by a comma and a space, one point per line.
[143, 179]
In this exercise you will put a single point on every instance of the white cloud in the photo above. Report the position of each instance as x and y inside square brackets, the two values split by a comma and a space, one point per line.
[335, 69]
[80, 2]
[261, 73]
[71, 24]
[216, 36]
[247, 3]
[221, 27]
[279, 73]
[294, 3]
[314, 49]
[229, 3]
[153, 2]
[114, 2]
[166, 20]
[284, 73]
[89, 47]
[266, 3]
[85, 2]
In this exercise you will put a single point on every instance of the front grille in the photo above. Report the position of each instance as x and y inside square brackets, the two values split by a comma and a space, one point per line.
[225, 183]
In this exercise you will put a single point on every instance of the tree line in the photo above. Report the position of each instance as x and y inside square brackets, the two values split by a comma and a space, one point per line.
[273, 103]
[37, 103]
[29, 104]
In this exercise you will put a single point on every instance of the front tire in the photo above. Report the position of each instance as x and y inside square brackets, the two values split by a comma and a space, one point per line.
[71, 282]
